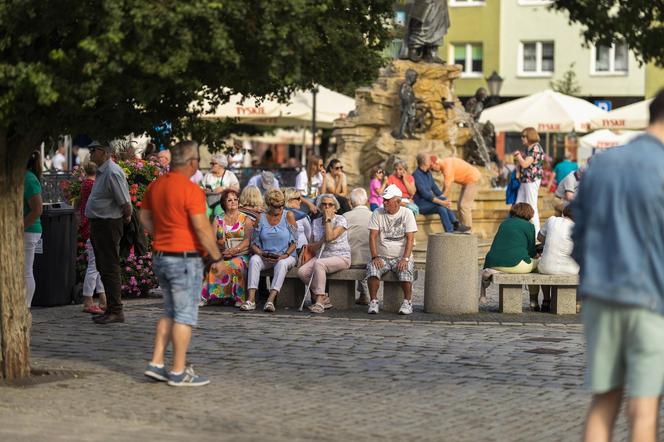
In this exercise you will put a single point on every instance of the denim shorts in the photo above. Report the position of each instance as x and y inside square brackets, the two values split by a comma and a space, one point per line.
[181, 281]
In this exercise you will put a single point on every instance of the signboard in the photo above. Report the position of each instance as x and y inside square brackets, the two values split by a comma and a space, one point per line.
[604, 105]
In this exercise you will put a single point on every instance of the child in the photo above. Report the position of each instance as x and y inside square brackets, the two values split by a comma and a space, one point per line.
[376, 187]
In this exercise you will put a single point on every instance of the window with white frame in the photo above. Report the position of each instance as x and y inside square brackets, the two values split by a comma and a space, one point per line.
[607, 60]
[536, 58]
[467, 2]
[470, 56]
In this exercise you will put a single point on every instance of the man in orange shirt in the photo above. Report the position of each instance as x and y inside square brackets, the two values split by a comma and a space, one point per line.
[173, 211]
[456, 170]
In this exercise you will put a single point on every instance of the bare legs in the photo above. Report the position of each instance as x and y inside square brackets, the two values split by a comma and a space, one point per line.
[180, 334]
[641, 416]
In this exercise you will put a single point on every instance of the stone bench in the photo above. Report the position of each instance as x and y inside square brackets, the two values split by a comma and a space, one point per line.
[563, 291]
[341, 289]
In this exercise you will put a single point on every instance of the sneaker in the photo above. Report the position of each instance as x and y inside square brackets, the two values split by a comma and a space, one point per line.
[373, 307]
[156, 373]
[406, 308]
[187, 379]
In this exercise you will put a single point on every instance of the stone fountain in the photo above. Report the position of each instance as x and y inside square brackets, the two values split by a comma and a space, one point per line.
[366, 137]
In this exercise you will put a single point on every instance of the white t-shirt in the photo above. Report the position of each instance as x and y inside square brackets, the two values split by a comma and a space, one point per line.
[302, 182]
[211, 180]
[392, 230]
[59, 161]
[557, 255]
[340, 246]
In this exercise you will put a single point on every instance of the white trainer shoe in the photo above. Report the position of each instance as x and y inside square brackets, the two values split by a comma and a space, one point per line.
[406, 308]
[373, 307]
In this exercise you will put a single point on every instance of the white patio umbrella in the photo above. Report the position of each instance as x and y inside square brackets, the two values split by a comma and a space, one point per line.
[603, 139]
[330, 105]
[632, 116]
[265, 112]
[547, 111]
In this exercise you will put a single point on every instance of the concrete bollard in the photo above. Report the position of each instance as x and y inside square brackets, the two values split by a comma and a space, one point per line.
[451, 284]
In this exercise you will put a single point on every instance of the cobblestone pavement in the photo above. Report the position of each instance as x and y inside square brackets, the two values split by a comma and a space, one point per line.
[295, 376]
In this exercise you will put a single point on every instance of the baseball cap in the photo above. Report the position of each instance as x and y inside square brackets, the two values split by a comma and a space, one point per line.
[97, 145]
[391, 191]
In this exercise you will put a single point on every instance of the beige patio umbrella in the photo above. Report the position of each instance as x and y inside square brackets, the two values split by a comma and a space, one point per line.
[633, 116]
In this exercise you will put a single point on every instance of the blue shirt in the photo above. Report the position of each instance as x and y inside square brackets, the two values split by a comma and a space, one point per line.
[274, 239]
[619, 225]
[426, 187]
[564, 168]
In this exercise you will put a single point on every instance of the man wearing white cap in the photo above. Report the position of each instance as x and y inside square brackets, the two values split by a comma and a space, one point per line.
[391, 237]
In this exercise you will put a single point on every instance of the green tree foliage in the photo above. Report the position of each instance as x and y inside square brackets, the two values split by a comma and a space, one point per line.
[108, 67]
[640, 23]
[111, 67]
[568, 84]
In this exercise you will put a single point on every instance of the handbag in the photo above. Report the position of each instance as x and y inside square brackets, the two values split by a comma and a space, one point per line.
[305, 256]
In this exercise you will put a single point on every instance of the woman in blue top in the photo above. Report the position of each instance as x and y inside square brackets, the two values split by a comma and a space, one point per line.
[32, 210]
[273, 243]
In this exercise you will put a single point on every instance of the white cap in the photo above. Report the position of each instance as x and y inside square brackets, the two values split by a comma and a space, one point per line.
[391, 191]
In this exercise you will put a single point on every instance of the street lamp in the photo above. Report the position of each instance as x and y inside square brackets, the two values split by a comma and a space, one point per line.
[495, 83]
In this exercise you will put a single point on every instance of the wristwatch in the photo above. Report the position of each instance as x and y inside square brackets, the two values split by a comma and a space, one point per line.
[406, 259]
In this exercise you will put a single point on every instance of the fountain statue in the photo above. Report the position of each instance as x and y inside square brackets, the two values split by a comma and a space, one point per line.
[428, 22]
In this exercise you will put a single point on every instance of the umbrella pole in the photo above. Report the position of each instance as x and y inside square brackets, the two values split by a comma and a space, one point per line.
[303, 153]
[314, 91]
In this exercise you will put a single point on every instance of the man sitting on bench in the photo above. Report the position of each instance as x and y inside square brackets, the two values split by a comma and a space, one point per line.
[392, 234]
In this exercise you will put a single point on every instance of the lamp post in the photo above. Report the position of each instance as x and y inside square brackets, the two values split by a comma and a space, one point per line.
[495, 83]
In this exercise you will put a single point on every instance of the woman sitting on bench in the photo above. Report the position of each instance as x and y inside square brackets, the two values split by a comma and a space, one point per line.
[329, 232]
[513, 247]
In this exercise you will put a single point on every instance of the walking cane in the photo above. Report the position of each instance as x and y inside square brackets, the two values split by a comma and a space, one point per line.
[306, 291]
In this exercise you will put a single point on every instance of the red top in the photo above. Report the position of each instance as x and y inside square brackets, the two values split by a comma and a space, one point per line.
[84, 227]
[172, 199]
[392, 179]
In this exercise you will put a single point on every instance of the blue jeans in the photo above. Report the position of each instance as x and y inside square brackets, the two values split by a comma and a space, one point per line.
[181, 280]
[446, 215]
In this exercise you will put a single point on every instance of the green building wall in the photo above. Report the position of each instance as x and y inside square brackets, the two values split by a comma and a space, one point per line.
[475, 24]
[654, 80]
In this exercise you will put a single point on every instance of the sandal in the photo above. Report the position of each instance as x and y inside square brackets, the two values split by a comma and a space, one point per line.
[247, 306]
[94, 309]
[327, 303]
[317, 308]
[269, 307]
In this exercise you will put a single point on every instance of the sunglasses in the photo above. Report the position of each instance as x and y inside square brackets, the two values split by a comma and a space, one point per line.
[327, 204]
[380, 171]
[297, 198]
[338, 167]
[277, 206]
[213, 164]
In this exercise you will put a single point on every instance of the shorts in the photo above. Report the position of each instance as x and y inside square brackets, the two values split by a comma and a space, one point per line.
[390, 265]
[181, 282]
[625, 348]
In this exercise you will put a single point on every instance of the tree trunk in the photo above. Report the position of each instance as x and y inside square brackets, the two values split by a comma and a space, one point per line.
[14, 318]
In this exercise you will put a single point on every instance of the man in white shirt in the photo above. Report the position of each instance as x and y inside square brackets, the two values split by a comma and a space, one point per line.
[358, 237]
[59, 160]
[566, 190]
[392, 235]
